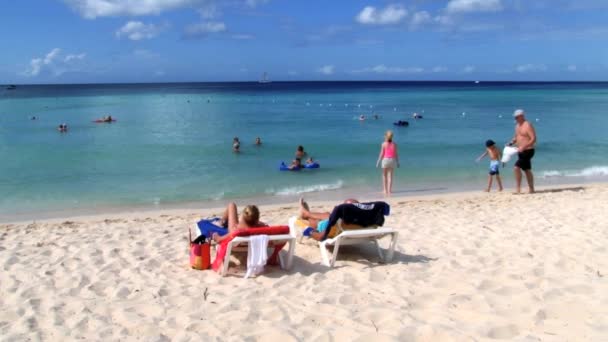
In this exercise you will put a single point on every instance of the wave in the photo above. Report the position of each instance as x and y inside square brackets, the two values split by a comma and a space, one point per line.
[295, 190]
[218, 196]
[592, 171]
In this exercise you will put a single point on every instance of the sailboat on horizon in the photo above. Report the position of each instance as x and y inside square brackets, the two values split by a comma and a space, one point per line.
[264, 78]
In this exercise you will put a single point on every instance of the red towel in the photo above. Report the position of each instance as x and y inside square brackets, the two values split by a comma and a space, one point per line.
[272, 260]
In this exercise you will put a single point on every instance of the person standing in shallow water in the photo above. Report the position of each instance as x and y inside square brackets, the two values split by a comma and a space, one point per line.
[525, 139]
[389, 157]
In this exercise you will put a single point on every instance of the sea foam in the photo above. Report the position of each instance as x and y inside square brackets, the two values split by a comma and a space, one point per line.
[592, 171]
[295, 190]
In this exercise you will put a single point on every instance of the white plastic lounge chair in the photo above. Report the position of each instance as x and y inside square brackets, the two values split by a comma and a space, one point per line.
[242, 242]
[350, 237]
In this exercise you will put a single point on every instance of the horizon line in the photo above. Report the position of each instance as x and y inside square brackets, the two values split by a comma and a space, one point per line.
[314, 81]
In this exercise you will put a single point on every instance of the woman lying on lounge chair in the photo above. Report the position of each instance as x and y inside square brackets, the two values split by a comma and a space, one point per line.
[250, 218]
[318, 221]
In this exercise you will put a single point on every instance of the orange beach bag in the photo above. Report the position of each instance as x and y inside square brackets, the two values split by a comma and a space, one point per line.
[200, 254]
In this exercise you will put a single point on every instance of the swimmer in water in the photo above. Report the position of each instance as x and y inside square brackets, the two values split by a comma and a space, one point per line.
[295, 164]
[236, 145]
[258, 141]
[62, 128]
[300, 153]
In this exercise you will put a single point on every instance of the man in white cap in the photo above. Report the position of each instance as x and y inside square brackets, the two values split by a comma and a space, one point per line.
[525, 139]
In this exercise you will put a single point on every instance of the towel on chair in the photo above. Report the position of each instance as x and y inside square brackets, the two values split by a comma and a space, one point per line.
[256, 255]
[362, 214]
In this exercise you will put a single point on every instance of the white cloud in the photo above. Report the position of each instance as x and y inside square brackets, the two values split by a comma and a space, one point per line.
[451, 18]
[440, 69]
[69, 58]
[35, 66]
[326, 70]
[38, 64]
[92, 9]
[531, 68]
[468, 69]
[205, 28]
[420, 18]
[136, 30]
[159, 73]
[53, 63]
[572, 67]
[444, 20]
[209, 11]
[470, 6]
[392, 14]
[383, 69]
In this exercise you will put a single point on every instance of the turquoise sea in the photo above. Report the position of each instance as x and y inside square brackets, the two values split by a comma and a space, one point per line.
[171, 144]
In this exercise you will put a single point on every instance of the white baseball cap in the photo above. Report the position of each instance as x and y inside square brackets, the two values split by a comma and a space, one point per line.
[518, 112]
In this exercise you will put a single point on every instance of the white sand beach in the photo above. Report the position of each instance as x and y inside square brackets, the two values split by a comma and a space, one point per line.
[469, 266]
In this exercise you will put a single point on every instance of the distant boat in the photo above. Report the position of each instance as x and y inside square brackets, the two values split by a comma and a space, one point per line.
[476, 82]
[264, 78]
[11, 87]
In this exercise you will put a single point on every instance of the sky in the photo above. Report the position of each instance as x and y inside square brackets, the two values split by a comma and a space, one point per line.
[116, 41]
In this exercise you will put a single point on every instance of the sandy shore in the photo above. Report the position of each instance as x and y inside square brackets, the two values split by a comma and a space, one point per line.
[468, 267]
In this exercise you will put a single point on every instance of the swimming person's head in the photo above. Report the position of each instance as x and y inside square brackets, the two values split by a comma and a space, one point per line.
[490, 143]
[388, 136]
[251, 215]
[300, 148]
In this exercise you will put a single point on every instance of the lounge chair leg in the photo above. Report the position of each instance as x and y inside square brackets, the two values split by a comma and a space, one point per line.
[391, 248]
[290, 253]
[227, 259]
[379, 250]
[335, 253]
[287, 261]
[324, 255]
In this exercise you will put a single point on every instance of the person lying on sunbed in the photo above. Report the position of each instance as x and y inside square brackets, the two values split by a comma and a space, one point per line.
[351, 212]
[250, 218]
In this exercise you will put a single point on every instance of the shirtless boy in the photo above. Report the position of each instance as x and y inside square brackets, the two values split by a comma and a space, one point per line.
[494, 155]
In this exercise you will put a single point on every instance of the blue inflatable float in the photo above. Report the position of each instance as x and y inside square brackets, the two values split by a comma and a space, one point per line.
[284, 167]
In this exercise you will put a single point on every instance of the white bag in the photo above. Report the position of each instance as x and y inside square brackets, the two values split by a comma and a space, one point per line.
[507, 153]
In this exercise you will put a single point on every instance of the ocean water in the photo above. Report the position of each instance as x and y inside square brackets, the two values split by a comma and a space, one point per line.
[171, 143]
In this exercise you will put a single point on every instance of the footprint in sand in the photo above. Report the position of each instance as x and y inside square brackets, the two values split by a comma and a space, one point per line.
[503, 332]
[486, 285]
[347, 300]
[580, 289]
[376, 276]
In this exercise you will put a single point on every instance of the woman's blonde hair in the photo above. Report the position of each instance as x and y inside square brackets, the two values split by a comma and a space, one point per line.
[251, 215]
[388, 136]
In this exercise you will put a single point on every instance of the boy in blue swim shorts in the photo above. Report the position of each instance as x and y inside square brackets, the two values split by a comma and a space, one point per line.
[494, 154]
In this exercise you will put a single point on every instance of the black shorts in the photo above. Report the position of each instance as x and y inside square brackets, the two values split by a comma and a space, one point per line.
[524, 160]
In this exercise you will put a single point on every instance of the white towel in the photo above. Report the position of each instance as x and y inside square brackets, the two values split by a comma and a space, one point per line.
[256, 255]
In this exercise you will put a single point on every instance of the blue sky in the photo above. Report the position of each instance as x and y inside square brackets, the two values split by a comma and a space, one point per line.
[91, 41]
